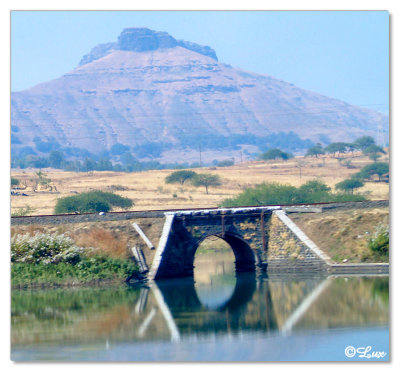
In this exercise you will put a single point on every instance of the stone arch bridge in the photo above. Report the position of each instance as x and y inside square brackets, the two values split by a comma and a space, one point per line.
[260, 238]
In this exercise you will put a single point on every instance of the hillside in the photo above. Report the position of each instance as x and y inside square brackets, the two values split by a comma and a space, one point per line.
[163, 98]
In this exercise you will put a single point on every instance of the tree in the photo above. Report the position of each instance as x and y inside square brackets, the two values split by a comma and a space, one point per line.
[90, 202]
[364, 142]
[315, 151]
[349, 185]
[351, 147]
[370, 170]
[275, 154]
[374, 152]
[336, 147]
[180, 176]
[206, 180]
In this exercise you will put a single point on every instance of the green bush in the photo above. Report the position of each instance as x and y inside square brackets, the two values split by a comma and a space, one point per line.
[379, 242]
[279, 194]
[45, 258]
[44, 249]
[273, 154]
[90, 202]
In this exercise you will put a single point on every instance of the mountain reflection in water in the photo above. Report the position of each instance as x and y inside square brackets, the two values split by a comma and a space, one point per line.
[100, 323]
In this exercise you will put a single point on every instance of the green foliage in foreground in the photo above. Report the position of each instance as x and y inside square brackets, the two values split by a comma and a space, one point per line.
[91, 202]
[88, 270]
[55, 259]
[275, 194]
[379, 242]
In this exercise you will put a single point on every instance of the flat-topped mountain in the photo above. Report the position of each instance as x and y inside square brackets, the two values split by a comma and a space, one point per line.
[160, 96]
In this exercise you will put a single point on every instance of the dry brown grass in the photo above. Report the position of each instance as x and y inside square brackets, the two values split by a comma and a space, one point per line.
[110, 243]
[344, 235]
[149, 191]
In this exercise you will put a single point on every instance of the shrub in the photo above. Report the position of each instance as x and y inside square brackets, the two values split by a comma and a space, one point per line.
[265, 193]
[90, 202]
[379, 243]
[279, 194]
[50, 259]
[275, 154]
[44, 248]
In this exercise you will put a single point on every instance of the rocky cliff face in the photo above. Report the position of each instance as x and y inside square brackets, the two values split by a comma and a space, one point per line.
[142, 40]
[150, 91]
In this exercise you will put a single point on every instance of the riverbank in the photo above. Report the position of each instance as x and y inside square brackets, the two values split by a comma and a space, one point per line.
[52, 260]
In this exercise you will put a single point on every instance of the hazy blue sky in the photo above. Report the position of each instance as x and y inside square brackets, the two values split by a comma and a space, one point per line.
[344, 55]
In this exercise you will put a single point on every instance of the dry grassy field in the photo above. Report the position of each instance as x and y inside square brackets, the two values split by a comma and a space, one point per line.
[344, 235]
[148, 189]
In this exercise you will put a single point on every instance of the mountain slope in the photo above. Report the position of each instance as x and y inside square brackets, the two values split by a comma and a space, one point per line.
[149, 91]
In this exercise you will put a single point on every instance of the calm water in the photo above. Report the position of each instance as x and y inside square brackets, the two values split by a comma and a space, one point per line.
[216, 316]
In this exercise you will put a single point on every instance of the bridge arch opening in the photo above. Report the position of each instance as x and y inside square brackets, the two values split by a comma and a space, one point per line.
[218, 262]
[230, 253]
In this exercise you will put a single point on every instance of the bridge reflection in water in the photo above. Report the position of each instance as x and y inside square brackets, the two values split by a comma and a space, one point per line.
[173, 310]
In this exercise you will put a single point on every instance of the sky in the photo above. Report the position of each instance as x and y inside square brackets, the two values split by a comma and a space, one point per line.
[341, 54]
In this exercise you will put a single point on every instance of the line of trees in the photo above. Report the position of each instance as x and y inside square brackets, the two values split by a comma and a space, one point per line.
[127, 163]
[366, 144]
